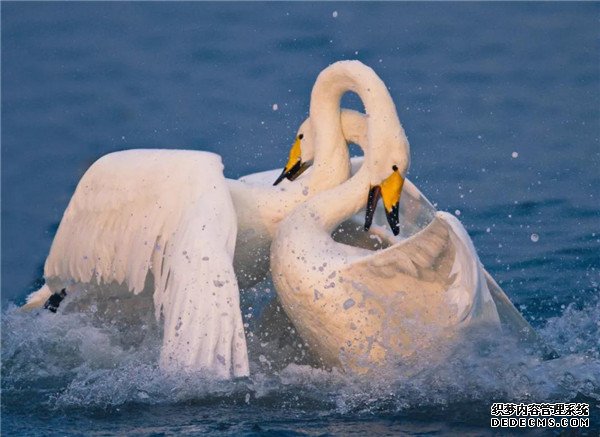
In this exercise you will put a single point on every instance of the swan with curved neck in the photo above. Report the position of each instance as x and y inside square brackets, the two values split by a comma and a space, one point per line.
[261, 208]
[416, 212]
[170, 215]
[356, 307]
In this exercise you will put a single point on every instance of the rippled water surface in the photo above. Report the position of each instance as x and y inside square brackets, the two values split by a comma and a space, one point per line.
[501, 106]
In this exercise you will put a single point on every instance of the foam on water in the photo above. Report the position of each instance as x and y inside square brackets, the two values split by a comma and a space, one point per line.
[79, 360]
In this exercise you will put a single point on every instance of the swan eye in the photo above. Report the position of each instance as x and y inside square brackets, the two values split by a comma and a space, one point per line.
[300, 136]
[395, 167]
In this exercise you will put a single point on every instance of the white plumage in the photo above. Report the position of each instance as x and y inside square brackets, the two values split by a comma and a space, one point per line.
[171, 215]
[168, 213]
[357, 307]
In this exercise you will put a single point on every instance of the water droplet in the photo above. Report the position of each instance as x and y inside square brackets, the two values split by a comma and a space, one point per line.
[535, 237]
[275, 106]
[349, 304]
[335, 14]
[457, 212]
[515, 154]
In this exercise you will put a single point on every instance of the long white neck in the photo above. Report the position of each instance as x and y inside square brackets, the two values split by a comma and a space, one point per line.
[386, 140]
[331, 85]
[331, 164]
[354, 125]
[331, 207]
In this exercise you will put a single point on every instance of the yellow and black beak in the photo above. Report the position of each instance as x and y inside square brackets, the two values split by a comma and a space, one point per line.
[294, 167]
[389, 190]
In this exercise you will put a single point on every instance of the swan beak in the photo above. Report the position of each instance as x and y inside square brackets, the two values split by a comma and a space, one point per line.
[389, 190]
[296, 170]
[294, 167]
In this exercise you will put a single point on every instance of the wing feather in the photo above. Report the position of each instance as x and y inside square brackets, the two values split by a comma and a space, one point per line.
[169, 213]
[436, 266]
[412, 255]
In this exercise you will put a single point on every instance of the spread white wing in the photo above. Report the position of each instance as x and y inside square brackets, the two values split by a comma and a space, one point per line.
[168, 213]
[410, 298]
[415, 213]
[436, 271]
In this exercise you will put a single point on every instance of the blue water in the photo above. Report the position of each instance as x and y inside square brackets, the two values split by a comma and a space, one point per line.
[473, 83]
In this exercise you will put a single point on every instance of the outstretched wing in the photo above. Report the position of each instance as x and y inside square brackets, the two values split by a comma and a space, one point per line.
[435, 273]
[415, 212]
[168, 213]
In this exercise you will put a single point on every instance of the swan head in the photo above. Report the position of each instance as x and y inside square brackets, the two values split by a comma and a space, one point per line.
[388, 161]
[301, 154]
[388, 187]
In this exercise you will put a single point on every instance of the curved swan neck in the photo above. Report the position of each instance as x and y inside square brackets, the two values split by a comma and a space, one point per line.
[354, 126]
[356, 77]
[331, 151]
[386, 141]
[330, 207]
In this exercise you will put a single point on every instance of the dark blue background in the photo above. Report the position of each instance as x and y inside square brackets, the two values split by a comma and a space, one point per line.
[473, 83]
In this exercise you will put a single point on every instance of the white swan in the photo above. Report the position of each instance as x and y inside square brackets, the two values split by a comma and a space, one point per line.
[139, 212]
[172, 214]
[356, 307]
[415, 213]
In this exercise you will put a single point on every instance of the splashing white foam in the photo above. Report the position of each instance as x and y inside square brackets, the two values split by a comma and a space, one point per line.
[77, 359]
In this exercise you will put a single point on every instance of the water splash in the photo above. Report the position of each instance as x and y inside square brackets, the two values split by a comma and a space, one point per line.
[76, 360]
